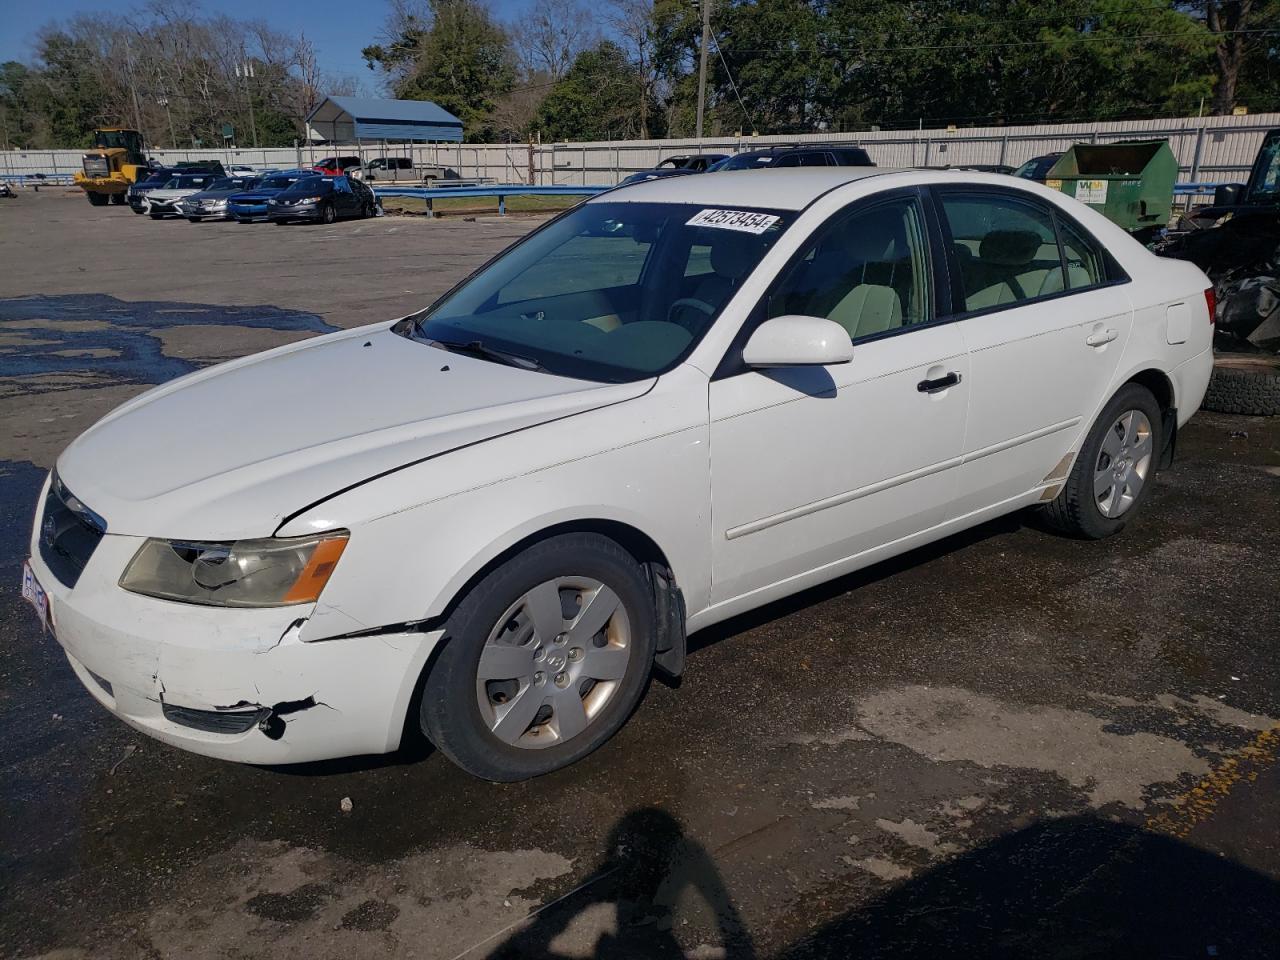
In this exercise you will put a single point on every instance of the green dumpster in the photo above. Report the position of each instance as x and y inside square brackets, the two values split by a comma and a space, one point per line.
[1130, 182]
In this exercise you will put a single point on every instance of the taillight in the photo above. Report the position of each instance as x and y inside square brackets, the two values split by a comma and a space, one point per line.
[1211, 302]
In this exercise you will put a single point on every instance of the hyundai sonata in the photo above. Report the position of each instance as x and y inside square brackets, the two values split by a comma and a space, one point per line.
[493, 519]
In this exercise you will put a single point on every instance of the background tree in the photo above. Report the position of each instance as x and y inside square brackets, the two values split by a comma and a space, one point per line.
[596, 99]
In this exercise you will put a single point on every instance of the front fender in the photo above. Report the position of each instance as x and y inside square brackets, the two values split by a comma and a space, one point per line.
[410, 552]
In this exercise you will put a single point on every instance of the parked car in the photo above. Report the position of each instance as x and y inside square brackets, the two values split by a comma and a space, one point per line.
[163, 201]
[401, 170]
[823, 155]
[322, 199]
[674, 403]
[1037, 168]
[337, 165]
[136, 195]
[211, 203]
[6, 190]
[1001, 168]
[251, 206]
[242, 170]
[676, 166]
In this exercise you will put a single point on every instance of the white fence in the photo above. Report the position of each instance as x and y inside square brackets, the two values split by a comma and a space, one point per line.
[1209, 149]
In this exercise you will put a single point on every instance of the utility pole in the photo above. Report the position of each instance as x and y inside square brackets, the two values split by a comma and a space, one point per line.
[133, 87]
[702, 63]
[163, 100]
[245, 70]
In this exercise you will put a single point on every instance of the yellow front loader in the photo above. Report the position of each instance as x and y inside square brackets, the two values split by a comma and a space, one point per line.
[115, 163]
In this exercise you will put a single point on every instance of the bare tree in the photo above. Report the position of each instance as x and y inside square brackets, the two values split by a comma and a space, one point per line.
[551, 34]
[632, 22]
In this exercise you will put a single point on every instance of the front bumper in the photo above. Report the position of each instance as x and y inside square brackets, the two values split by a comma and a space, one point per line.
[300, 212]
[253, 213]
[156, 664]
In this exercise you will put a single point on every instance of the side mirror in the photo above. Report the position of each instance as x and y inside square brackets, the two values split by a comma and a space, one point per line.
[797, 341]
[1228, 194]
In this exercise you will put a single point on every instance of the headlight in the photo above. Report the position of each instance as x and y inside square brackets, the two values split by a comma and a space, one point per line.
[245, 573]
[309, 200]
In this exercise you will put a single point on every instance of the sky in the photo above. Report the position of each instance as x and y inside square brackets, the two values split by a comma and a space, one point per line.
[338, 28]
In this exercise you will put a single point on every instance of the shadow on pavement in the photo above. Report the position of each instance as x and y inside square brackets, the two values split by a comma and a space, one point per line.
[1079, 887]
[648, 864]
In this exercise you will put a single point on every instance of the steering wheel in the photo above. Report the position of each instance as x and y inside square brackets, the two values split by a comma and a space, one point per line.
[679, 306]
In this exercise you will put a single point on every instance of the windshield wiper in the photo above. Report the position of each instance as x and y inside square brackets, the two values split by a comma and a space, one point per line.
[477, 348]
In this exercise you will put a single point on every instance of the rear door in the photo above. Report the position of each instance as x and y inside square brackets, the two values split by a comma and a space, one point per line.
[1045, 316]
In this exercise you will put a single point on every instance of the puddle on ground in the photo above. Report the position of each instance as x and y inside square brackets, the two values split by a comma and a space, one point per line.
[120, 341]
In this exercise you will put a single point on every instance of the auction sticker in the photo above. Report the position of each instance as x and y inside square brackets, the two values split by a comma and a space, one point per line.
[732, 220]
[1091, 191]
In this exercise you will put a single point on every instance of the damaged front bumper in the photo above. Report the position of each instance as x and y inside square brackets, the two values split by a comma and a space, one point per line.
[237, 684]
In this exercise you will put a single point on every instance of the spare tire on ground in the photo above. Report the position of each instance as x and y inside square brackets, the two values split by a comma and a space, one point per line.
[1245, 383]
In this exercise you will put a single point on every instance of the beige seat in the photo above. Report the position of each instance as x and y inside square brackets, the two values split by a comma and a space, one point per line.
[868, 308]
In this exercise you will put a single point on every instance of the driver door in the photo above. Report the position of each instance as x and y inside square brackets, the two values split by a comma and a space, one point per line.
[813, 466]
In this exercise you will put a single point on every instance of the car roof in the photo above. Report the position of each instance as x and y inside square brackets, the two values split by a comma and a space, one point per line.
[792, 188]
[789, 189]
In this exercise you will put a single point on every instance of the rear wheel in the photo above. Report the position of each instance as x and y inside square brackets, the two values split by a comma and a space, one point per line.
[97, 199]
[1112, 476]
[544, 660]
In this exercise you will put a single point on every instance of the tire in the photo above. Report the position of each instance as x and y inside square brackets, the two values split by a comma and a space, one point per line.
[464, 715]
[1082, 508]
[118, 199]
[97, 199]
[1247, 383]
[157, 216]
[279, 223]
[328, 214]
[193, 219]
[138, 210]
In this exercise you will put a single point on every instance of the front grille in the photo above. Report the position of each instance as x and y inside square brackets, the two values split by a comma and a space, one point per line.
[95, 166]
[214, 721]
[69, 533]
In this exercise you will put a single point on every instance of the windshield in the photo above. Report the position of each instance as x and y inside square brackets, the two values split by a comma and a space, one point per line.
[1266, 171]
[232, 183]
[283, 181]
[310, 185]
[745, 161]
[607, 292]
[157, 178]
[189, 182]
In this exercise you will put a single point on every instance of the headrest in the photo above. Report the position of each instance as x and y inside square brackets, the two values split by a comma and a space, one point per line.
[733, 254]
[1009, 248]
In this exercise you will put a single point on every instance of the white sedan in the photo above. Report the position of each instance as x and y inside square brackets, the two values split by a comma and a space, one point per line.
[164, 201]
[681, 400]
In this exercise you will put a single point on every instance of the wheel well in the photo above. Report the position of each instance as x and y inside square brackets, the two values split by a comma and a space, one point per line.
[1159, 385]
[1162, 389]
[637, 543]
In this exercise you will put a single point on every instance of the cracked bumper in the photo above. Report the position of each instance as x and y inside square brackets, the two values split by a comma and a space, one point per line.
[153, 652]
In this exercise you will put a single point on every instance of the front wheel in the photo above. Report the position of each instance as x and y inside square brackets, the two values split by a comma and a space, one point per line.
[97, 199]
[543, 660]
[118, 199]
[328, 214]
[157, 216]
[1113, 474]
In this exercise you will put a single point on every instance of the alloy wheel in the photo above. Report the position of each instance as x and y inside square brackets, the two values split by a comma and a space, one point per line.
[553, 662]
[1124, 463]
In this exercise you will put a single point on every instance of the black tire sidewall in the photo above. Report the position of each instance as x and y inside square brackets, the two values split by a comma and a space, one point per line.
[451, 717]
[328, 214]
[1090, 519]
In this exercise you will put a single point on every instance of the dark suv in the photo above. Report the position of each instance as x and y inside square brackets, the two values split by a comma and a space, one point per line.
[811, 155]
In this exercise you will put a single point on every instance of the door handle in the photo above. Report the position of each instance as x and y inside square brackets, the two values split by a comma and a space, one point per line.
[1101, 337]
[940, 384]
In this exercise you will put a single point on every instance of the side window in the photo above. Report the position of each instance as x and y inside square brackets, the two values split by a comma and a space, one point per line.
[1006, 249]
[1082, 257]
[868, 271]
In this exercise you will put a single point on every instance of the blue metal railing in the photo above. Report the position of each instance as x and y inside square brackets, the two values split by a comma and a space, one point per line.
[41, 179]
[499, 190]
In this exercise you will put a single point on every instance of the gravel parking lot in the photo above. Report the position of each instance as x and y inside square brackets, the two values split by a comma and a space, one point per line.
[1007, 744]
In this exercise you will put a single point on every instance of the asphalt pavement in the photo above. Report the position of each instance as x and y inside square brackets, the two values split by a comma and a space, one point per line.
[1008, 744]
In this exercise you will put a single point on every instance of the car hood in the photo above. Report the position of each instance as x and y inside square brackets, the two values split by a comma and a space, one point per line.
[170, 194]
[232, 450]
[258, 194]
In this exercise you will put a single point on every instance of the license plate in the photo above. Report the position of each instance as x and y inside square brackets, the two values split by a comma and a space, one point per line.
[35, 594]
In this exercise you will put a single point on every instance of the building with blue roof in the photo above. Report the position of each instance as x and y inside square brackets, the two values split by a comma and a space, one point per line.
[363, 119]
